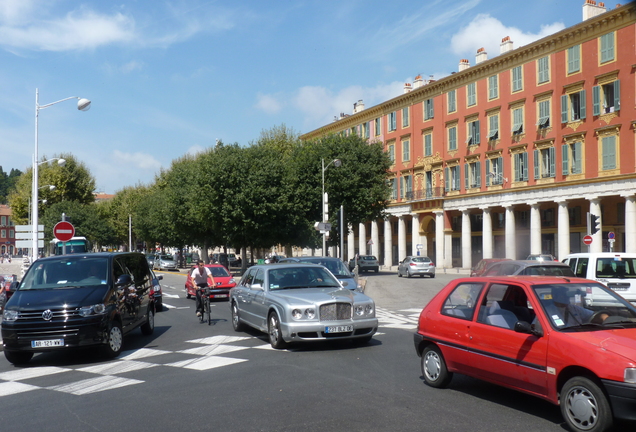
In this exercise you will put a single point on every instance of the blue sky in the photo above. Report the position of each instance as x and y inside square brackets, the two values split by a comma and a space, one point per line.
[170, 77]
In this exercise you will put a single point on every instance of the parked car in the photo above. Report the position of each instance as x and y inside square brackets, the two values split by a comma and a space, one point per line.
[71, 301]
[512, 331]
[541, 257]
[368, 263]
[7, 286]
[300, 303]
[484, 264]
[164, 262]
[529, 267]
[334, 265]
[223, 278]
[150, 257]
[156, 292]
[616, 270]
[416, 265]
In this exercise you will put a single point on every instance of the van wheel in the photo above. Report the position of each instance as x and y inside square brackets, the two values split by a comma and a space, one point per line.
[149, 326]
[18, 357]
[584, 406]
[115, 340]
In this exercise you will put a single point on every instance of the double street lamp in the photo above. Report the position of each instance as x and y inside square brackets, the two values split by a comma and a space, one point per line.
[82, 105]
[325, 200]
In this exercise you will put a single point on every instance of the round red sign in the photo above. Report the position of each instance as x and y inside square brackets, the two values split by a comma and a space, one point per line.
[63, 231]
[587, 240]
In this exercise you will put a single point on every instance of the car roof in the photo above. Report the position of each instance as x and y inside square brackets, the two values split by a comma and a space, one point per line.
[535, 263]
[531, 280]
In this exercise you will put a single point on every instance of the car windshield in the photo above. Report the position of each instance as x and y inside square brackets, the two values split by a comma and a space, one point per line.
[334, 265]
[165, 257]
[66, 272]
[584, 307]
[548, 270]
[301, 277]
[219, 272]
[420, 259]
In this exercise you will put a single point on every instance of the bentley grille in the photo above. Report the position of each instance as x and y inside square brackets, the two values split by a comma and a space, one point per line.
[335, 312]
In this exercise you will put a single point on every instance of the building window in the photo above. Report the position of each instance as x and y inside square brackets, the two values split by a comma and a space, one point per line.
[575, 215]
[452, 178]
[544, 114]
[544, 163]
[473, 133]
[493, 87]
[517, 121]
[406, 190]
[494, 171]
[543, 69]
[428, 109]
[472, 175]
[392, 152]
[521, 166]
[573, 107]
[428, 144]
[452, 101]
[574, 59]
[493, 127]
[606, 98]
[452, 138]
[378, 126]
[608, 149]
[392, 121]
[517, 79]
[406, 150]
[11, 233]
[405, 117]
[471, 94]
[3, 233]
[3, 221]
[572, 158]
[394, 191]
[607, 47]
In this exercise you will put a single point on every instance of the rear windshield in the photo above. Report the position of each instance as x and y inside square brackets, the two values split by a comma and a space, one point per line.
[421, 259]
[616, 268]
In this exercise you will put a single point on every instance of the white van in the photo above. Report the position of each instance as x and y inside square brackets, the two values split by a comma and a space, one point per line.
[617, 270]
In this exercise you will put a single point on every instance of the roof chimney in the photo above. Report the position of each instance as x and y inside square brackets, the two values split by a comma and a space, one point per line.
[463, 64]
[418, 82]
[591, 9]
[407, 87]
[506, 45]
[359, 106]
[481, 55]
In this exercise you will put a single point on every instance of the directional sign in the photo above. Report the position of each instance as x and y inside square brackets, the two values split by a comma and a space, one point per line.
[64, 231]
[587, 240]
[322, 226]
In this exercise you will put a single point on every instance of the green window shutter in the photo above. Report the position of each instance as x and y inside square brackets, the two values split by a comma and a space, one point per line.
[617, 95]
[428, 150]
[525, 165]
[517, 165]
[476, 133]
[609, 152]
[501, 169]
[487, 173]
[596, 100]
[466, 185]
[446, 180]
[564, 109]
[583, 110]
[452, 138]
[536, 164]
[477, 174]
[552, 155]
[565, 167]
[577, 158]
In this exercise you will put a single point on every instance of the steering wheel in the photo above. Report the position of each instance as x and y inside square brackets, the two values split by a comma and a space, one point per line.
[598, 318]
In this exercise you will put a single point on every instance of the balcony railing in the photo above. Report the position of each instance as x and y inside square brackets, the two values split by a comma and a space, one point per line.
[423, 194]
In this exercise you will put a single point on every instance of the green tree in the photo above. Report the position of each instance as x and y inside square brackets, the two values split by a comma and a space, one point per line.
[7, 183]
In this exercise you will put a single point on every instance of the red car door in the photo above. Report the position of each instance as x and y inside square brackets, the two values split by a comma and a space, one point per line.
[502, 355]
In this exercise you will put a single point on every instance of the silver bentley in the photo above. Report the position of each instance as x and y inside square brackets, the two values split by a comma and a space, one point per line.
[300, 303]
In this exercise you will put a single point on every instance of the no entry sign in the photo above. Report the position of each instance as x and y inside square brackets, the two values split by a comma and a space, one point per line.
[587, 240]
[63, 231]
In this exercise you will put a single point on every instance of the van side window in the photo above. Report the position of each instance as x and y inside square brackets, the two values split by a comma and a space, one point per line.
[580, 270]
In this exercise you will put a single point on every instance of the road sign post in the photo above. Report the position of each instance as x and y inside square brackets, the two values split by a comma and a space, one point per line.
[64, 231]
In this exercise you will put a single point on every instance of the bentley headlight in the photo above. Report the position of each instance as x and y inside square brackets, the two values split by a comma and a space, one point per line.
[369, 310]
[630, 375]
[310, 313]
[359, 310]
[10, 315]
[297, 314]
[97, 309]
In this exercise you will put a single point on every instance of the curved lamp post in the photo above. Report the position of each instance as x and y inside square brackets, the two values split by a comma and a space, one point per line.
[82, 105]
[325, 215]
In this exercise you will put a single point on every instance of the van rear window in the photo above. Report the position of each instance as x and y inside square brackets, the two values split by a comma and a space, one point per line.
[616, 268]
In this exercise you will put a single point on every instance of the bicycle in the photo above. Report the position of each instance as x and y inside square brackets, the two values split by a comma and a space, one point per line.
[206, 304]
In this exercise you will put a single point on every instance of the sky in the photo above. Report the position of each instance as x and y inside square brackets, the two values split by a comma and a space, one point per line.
[171, 77]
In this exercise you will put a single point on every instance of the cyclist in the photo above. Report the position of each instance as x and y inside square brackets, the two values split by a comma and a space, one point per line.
[199, 277]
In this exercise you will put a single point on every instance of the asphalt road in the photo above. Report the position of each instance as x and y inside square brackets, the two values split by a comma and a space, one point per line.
[193, 377]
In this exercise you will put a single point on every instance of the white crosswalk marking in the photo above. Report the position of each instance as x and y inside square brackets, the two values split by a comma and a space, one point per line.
[94, 385]
[206, 363]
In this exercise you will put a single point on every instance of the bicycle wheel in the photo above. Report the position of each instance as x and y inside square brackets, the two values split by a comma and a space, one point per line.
[203, 314]
[207, 306]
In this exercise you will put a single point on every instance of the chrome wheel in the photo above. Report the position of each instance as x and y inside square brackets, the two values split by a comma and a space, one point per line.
[275, 334]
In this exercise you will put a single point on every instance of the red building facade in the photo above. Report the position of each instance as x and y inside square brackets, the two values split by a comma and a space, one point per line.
[508, 156]
[7, 231]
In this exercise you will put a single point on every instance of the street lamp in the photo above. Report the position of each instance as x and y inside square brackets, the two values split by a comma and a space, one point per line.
[325, 200]
[82, 105]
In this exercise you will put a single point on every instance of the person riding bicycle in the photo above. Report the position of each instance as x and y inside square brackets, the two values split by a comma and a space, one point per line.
[199, 277]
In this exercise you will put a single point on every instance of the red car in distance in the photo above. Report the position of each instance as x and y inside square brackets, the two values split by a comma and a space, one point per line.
[222, 277]
[569, 341]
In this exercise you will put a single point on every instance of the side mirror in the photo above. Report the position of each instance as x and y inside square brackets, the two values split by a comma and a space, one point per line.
[256, 287]
[14, 286]
[123, 280]
[526, 327]
[159, 277]
[344, 283]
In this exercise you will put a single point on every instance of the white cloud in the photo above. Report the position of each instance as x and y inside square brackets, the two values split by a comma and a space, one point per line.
[195, 149]
[131, 66]
[138, 160]
[486, 31]
[268, 103]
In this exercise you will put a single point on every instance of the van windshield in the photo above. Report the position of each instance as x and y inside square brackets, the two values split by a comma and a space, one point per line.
[66, 272]
[616, 268]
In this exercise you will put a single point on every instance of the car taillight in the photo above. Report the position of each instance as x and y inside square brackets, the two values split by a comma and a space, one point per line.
[431, 264]
[413, 264]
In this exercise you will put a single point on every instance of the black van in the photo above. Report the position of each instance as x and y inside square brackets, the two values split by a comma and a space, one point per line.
[72, 301]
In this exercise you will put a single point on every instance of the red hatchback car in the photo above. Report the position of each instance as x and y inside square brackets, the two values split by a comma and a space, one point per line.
[570, 341]
[223, 278]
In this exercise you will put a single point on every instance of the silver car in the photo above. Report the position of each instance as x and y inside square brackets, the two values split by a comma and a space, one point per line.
[416, 265]
[335, 265]
[164, 262]
[300, 303]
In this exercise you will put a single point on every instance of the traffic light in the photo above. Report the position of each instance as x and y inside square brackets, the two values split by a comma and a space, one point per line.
[595, 224]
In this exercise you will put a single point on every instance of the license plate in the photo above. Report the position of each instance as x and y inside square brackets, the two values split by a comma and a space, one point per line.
[339, 329]
[47, 343]
[219, 295]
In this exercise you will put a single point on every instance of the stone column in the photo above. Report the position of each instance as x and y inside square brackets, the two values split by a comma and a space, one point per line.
[630, 224]
[375, 239]
[535, 228]
[563, 234]
[597, 239]
[415, 229]
[351, 243]
[401, 238]
[511, 233]
[362, 239]
[486, 236]
[467, 251]
[388, 244]
[439, 238]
